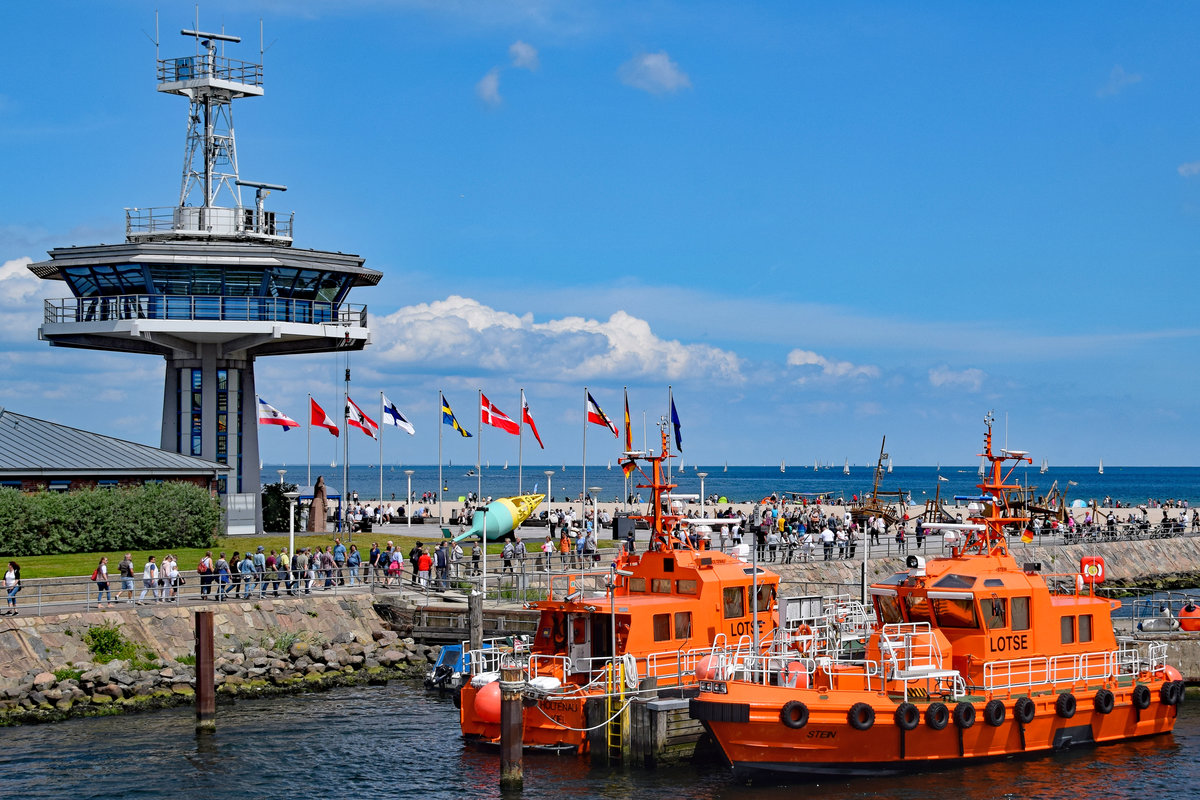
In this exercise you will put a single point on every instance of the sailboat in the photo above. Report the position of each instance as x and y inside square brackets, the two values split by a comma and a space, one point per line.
[816, 465]
[889, 469]
[1045, 466]
[1102, 466]
[982, 466]
[610, 464]
[726, 467]
[506, 464]
[782, 467]
[846, 468]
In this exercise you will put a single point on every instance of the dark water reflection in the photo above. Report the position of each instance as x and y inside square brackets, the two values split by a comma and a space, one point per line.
[394, 741]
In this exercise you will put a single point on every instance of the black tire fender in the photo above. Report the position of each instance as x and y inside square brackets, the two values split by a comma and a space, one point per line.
[994, 713]
[964, 715]
[1141, 697]
[1104, 701]
[794, 714]
[861, 716]
[937, 716]
[1064, 706]
[907, 716]
[1024, 710]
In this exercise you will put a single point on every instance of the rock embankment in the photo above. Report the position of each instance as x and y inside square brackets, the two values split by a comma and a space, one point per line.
[47, 671]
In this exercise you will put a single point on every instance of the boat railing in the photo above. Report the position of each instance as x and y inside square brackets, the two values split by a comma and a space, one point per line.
[488, 657]
[540, 664]
[1066, 670]
[910, 647]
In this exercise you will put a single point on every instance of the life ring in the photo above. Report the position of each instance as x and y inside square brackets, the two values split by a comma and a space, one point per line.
[1104, 701]
[937, 716]
[861, 716]
[1141, 697]
[1064, 706]
[993, 713]
[1024, 710]
[907, 716]
[964, 715]
[802, 639]
[794, 714]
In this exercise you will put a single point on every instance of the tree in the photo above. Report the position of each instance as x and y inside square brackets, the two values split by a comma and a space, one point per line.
[275, 506]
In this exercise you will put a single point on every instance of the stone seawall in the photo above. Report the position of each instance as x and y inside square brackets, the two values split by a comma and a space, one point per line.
[47, 671]
[1146, 562]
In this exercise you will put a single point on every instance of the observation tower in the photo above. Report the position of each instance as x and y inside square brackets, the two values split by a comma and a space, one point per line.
[208, 286]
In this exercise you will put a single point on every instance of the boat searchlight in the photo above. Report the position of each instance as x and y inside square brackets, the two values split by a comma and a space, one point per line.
[573, 596]
[916, 566]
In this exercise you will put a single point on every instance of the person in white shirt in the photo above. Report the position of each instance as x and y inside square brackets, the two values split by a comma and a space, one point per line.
[149, 580]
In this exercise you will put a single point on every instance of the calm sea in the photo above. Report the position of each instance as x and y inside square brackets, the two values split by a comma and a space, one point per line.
[1130, 485]
[397, 742]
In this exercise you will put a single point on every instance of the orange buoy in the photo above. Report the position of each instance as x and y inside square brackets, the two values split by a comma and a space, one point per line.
[706, 668]
[487, 702]
[1189, 617]
[795, 675]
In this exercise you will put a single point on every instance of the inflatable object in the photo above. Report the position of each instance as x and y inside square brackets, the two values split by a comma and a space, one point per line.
[501, 517]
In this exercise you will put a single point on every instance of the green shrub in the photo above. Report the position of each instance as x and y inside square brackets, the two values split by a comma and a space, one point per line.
[152, 517]
[106, 642]
[188, 660]
[67, 674]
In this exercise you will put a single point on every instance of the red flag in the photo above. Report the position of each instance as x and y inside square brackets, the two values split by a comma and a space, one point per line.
[594, 414]
[356, 418]
[318, 417]
[628, 466]
[528, 420]
[490, 415]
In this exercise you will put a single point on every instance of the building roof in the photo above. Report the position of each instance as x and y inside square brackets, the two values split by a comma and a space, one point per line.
[34, 447]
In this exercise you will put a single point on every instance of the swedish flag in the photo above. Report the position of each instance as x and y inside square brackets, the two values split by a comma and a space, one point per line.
[448, 418]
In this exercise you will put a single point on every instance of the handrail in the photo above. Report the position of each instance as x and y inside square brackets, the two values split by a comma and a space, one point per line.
[201, 307]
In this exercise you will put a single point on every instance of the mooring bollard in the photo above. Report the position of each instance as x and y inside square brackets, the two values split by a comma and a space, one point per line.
[512, 772]
[206, 696]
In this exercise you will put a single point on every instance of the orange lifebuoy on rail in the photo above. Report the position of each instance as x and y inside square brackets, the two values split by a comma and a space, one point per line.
[802, 639]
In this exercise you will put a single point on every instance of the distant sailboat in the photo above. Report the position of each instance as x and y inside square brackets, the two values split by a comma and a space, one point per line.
[610, 464]
[564, 469]
[889, 469]
[506, 464]
[982, 467]
[1102, 466]
[1045, 466]
[332, 464]
[782, 466]
[816, 465]
[487, 465]
[846, 468]
[726, 467]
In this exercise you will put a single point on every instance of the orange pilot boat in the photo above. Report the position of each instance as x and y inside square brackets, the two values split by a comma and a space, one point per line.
[636, 629]
[973, 656]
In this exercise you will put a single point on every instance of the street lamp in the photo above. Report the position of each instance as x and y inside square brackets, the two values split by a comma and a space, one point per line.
[408, 503]
[549, 493]
[291, 497]
[702, 475]
[595, 490]
[281, 472]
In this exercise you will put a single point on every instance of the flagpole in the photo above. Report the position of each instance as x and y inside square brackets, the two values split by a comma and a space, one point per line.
[345, 501]
[670, 402]
[442, 398]
[582, 502]
[309, 443]
[380, 452]
[479, 453]
[521, 441]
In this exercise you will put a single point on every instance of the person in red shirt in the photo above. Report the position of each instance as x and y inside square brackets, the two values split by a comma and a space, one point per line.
[424, 565]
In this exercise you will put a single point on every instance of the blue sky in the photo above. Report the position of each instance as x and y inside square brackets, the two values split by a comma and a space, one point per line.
[820, 222]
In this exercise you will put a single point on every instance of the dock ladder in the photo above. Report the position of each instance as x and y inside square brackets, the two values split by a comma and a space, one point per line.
[618, 719]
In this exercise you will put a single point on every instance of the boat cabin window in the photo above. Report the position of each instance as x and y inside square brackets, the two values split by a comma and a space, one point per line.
[637, 584]
[735, 602]
[1085, 627]
[1020, 613]
[1068, 630]
[660, 585]
[683, 624]
[766, 597]
[953, 581]
[995, 612]
[888, 609]
[990, 582]
[686, 586]
[662, 627]
[956, 613]
[917, 607]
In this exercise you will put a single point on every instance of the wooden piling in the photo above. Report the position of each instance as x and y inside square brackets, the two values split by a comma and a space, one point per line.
[475, 613]
[206, 695]
[512, 771]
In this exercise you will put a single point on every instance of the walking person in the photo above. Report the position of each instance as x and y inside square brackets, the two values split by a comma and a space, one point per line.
[206, 570]
[125, 569]
[100, 576]
[12, 585]
[149, 580]
[235, 574]
[171, 579]
[246, 569]
[441, 562]
[260, 573]
[222, 568]
[414, 557]
[353, 560]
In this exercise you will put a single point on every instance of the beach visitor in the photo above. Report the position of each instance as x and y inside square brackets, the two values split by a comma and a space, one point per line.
[564, 547]
[328, 566]
[260, 573]
[100, 576]
[476, 556]
[149, 580]
[235, 573]
[373, 562]
[441, 561]
[246, 569]
[283, 563]
[339, 560]
[205, 570]
[353, 560]
[12, 585]
[827, 538]
[171, 568]
[424, 565]
[414, 557]
[125, 569]
[507, 554]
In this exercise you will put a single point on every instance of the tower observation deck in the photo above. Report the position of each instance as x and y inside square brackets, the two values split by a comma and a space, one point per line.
[208, 286]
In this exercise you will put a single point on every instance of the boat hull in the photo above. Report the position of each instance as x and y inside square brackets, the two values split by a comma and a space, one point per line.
[757, 743]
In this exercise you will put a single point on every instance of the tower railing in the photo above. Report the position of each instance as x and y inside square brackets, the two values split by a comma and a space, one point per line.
[202, 307]
[213, 222]
[187, 68]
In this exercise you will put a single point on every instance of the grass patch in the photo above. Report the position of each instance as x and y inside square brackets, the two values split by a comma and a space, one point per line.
[188, 660]
[67, 674]
[107, 643]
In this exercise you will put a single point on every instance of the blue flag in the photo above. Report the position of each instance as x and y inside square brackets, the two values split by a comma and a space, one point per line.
[675, 422]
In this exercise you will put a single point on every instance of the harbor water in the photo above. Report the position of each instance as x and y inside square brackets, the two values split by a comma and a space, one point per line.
[1130, 485]
[397, 741]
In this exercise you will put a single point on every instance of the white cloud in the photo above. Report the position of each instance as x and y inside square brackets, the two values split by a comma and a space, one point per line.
[655, 73]
[461, 335]
[524, 56]
[1189, 169]
[969, 379]
[830, 369]
[1118, 80]
[20, 306]
[488, 88]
